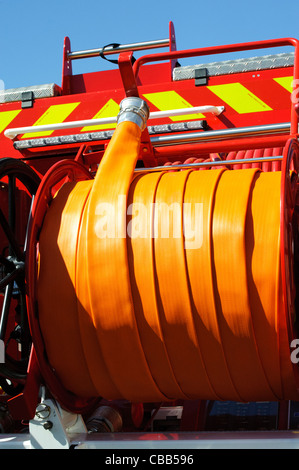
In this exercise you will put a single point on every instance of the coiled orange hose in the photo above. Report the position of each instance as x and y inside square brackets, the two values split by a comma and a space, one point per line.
[166, 285]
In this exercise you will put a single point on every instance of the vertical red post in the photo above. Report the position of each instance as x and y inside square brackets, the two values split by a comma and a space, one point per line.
[294, 98]
[172, 47]
[67, 70]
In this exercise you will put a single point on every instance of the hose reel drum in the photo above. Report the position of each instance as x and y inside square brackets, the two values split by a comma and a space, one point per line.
[144, 316]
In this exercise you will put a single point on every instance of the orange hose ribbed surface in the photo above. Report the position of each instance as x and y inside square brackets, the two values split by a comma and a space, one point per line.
[165, 285]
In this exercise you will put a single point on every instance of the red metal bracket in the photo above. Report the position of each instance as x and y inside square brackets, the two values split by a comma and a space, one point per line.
[147, 151]
[23, 406]
[131, 89]
[127, 74]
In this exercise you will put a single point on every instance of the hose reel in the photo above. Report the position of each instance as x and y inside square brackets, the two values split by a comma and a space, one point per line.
[166, 285]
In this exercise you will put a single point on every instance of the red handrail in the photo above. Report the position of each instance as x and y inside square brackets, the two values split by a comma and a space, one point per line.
[226, 49]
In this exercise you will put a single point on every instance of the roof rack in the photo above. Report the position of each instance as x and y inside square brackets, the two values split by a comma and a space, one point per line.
[109, 49]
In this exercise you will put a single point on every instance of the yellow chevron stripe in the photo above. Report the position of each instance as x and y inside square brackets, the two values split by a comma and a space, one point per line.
[6, 117]
[239, 98]
[165, 100]
[110, 109]
[285, 82]
[56, 113]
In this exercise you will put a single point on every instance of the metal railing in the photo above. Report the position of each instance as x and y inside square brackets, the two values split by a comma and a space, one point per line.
[13, 132]
[221, 134]
[186, 166]
[116, 49]
[271, 43]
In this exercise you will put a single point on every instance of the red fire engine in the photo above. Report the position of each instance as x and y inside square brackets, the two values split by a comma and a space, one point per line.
[149, 251]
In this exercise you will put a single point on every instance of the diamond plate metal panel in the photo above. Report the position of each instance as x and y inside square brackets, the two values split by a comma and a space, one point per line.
[39, 91]
[236, 66]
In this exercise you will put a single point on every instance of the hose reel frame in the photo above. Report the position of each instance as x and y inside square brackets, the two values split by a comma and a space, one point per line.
[60, 173]
[73, 171]
[289, 242]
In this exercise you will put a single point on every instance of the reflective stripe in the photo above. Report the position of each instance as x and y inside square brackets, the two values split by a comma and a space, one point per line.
[165, 100]
[239, 98]
[110, 109]
[236, 95]
[55, 113]
[6, 117]
[285, 82]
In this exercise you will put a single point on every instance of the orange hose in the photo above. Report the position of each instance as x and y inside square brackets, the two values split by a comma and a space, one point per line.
[174, 301]
[167, 284]
[56, 288]
[141, 253]
[231, 266]
[111, 302]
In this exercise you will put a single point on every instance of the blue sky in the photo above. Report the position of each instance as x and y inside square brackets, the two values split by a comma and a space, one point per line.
[32, 32]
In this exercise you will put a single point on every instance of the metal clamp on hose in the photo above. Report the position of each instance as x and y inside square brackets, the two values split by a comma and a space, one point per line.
[133, 109]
